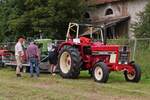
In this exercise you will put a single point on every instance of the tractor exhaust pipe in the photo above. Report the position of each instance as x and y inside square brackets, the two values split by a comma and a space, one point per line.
[104, 34]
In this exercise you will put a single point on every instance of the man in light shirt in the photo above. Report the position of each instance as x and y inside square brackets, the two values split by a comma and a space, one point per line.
[19, 53]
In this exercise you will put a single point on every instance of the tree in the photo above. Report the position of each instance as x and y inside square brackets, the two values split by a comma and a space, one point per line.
[32, 20]
[4, 11]
[142, 26]
[10, 11]
[29, 17]
[63, 12]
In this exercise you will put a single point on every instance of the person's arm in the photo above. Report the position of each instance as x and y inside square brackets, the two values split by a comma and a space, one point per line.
[38, 54]
[27, 55]
[20, 52]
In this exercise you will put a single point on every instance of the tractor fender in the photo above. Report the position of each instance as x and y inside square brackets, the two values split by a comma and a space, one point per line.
[97, 62]
[131, 62]
[65, 44]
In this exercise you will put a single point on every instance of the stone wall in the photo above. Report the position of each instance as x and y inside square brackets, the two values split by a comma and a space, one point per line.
[120, 8]
[134, 7]
[97, 13]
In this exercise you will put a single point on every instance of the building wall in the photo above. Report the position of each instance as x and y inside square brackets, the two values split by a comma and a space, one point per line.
[98, 13]
[120, 8]
[134, 7]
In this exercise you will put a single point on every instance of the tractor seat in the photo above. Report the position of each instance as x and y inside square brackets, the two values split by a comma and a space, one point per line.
[85, 40]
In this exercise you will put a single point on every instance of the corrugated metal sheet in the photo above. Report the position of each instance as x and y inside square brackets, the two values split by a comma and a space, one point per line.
[98, 2]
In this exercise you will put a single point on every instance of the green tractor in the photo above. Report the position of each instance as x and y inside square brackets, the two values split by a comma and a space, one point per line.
[43, 45]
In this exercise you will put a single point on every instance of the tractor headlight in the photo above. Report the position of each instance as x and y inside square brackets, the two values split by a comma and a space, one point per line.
[111, 54]
[112, 58]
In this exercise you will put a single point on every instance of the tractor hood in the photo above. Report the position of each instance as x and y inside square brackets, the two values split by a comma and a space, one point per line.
[98, 46]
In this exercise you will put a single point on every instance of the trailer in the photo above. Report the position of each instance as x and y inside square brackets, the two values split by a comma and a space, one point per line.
[7, 56]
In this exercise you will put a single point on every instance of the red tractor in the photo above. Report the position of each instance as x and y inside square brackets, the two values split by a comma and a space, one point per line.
[85, 48]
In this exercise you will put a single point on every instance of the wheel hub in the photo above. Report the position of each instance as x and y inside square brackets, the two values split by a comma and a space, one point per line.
[131, 75]
[65, 62]
[98, 73]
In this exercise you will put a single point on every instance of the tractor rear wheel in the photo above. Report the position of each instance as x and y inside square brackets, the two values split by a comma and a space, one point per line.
[69, 62]
[100, 72]
[134, 76]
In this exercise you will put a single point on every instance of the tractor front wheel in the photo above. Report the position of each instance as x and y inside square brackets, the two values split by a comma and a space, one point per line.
[100, 72]
[135, 75]
[69, 62]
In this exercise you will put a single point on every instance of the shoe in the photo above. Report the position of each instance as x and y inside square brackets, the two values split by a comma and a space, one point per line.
[53, 74]
[18, 75]
[38, 75]
[31, 75]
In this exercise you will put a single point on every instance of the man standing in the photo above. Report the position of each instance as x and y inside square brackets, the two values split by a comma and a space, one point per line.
[33, 56]
[19, 53]
[53, 58]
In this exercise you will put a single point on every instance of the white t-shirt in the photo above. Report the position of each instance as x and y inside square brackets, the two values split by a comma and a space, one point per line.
[18, 48]
[50, 47]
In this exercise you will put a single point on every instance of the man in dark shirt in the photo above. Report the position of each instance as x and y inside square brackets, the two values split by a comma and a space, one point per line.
[33, 56]
[53, 58]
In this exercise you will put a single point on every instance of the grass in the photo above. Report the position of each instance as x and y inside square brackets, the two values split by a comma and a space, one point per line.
[142, 53]
[55, 88]
[143, 59]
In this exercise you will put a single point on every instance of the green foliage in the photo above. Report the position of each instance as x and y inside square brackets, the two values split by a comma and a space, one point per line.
[141, 27]
[63, 12]
[29, 17]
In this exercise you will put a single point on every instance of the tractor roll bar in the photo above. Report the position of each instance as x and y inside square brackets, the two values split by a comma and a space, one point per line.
[102, 27]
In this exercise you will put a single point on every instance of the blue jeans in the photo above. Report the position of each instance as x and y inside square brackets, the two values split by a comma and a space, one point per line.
[34, 64]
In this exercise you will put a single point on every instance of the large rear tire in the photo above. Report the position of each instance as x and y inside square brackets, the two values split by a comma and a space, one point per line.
[69, 62]
[100, 72]
[134, 76]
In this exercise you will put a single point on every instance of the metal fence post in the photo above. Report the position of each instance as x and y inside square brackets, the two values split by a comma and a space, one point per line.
[134, 49]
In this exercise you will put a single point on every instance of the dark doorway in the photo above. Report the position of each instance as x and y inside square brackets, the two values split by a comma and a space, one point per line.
[111, 32]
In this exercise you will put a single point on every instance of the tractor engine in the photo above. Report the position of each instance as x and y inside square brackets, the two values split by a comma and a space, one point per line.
[124, 55]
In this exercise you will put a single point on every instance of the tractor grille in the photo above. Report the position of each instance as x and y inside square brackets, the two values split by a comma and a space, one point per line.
[124, 55]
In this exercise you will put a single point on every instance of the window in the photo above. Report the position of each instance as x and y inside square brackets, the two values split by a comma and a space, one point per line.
[86, 15]
[109, 12]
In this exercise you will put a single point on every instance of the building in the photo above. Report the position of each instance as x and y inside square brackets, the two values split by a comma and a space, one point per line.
[117, 15]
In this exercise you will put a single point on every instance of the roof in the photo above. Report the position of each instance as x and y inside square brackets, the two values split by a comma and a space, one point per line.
[107, 23]
[112, 21]
[98, 2]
